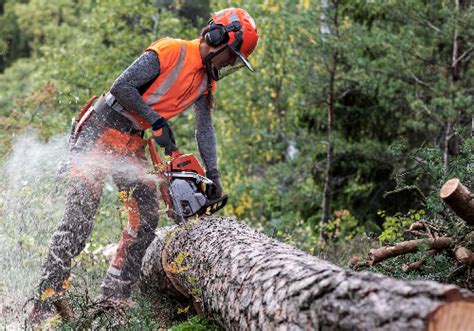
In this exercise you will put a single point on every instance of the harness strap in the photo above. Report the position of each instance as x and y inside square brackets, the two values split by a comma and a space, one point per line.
[113, 103]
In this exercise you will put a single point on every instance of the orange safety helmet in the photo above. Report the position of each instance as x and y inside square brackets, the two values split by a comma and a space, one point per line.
[236, 28]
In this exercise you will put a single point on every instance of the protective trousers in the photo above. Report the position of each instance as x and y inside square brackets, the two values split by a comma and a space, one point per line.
[106, 144]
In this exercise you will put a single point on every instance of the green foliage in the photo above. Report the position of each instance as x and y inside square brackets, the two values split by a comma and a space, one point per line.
[344, 226]
[395, 99]
[13, 41]
[197, 323]
[439, 268]
[91, 315]
[141, 318]
[78, 49]
[394, 226]
[272, 137]
[346, 253]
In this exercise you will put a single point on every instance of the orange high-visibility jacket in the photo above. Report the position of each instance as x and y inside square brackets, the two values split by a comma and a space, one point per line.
[182, 79]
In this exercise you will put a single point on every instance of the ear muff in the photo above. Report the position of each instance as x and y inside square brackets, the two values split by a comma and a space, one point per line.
[216, 36]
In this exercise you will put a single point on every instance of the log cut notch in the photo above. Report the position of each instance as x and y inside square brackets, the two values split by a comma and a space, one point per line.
[246, 281]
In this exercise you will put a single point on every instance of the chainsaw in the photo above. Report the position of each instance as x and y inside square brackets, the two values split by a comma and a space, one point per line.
[183, 186]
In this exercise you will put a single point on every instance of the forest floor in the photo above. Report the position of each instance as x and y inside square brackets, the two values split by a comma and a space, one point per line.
[84, 298]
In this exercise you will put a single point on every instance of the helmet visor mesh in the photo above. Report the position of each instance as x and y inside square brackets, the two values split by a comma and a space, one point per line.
[227, 70]
[242, 58]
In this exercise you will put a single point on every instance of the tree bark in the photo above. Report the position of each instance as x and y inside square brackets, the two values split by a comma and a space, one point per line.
[247, 281]
[459, 199]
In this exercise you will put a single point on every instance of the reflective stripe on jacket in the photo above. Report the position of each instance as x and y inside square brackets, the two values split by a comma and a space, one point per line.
[182, 79]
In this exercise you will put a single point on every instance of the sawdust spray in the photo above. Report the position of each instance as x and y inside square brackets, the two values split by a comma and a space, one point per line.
[32, 199]
[31, 203]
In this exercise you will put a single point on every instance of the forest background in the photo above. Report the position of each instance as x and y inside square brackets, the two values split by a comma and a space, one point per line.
[356, 116]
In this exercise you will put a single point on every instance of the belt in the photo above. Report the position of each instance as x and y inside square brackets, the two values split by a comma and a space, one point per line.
[113, 103]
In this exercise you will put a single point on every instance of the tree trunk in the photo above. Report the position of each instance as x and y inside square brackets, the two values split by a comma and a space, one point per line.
[459, 199]
[457, 68]
[447, 136]
[325, 30]
[247, 281]
[330, 101]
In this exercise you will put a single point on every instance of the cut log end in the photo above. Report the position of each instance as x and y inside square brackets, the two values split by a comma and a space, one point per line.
[454, 316]
[459, 199]
[464, 255]
[449, 187]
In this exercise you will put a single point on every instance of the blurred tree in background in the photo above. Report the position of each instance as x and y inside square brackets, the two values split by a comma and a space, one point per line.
[356, 107]
[13, 43]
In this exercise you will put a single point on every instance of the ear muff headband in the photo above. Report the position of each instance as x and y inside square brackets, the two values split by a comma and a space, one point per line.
[219, 34]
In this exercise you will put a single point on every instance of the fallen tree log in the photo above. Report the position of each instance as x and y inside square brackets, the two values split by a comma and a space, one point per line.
[246, 281]
[378, 255]
[459, 199]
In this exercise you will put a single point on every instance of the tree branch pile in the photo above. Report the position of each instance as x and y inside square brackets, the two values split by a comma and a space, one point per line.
[244, 280]
[405, 247]
[460, 200]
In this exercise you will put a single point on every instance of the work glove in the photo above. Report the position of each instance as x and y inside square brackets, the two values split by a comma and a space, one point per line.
[215, 191]
[163, 136]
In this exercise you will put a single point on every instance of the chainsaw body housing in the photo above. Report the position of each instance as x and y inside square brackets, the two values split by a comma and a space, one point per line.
[183, 186]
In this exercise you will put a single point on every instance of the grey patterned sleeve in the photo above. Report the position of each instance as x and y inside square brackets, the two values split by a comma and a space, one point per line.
[205, 134]
[134, 81]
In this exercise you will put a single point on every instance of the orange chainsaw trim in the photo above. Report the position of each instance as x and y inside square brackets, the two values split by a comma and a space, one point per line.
[186, 162]
[169, 169]
[179, 161]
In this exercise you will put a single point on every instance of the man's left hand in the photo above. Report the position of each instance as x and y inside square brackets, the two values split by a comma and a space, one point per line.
[215, 191]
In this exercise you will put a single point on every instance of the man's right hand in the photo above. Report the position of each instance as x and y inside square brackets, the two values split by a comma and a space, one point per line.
[163, 136]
